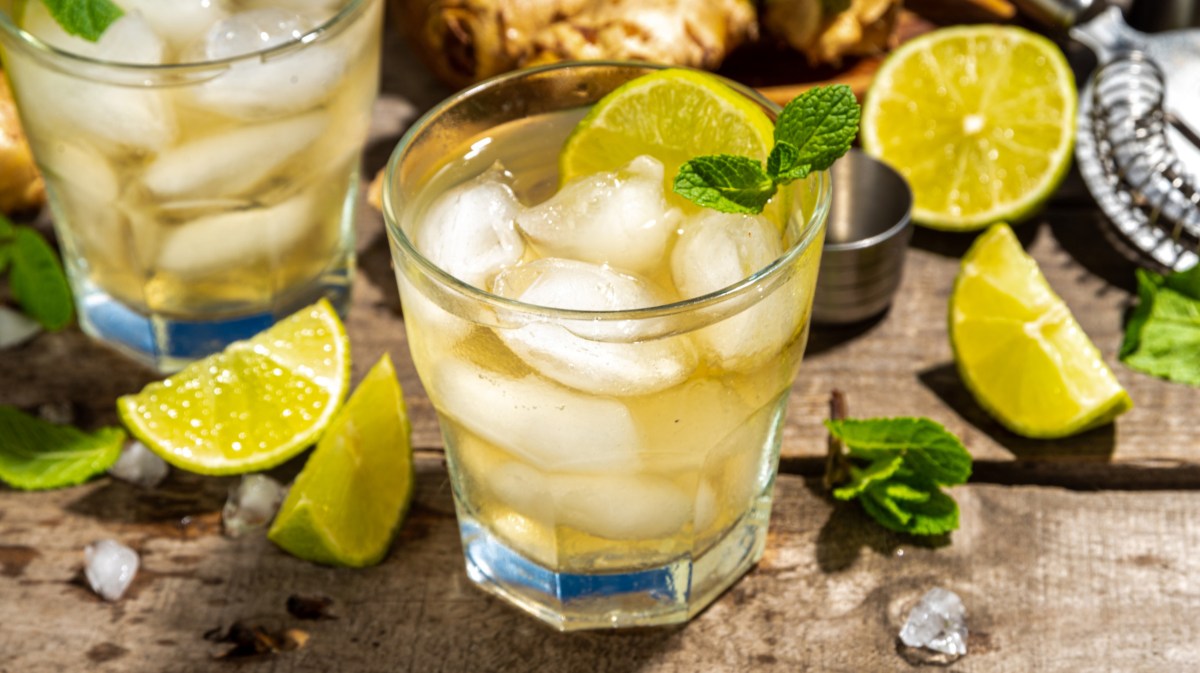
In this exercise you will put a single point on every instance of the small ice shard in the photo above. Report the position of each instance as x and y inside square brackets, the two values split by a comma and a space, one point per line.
[938, 623]
[595, 356]
[252, 504]
[470, 231]
[16, 328]
[109, 567]
[181, 22]
[619, 218]
[139, 465]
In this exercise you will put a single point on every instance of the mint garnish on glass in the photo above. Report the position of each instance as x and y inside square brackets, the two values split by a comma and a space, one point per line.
[812, 132]
[35, 275]
[896, 468]
[85, 18]
[1162, 337]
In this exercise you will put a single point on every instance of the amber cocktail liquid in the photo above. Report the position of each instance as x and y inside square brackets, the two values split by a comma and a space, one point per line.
[201, 160]
[612, 439]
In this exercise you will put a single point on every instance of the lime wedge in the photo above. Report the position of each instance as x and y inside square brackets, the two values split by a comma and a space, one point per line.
[251, 406]
[979, 119]
[355, 488]
[1020, 351]
[672, 115]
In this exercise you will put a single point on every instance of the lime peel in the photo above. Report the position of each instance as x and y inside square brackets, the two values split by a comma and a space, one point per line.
[1019, 350]
[252, 406]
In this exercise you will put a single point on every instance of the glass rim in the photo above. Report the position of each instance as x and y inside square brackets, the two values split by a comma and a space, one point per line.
[43, 49]
[728, 293]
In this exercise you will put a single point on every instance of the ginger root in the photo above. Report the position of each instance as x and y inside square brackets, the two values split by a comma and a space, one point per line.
[827, 30]
[21, 186]
[464, 41]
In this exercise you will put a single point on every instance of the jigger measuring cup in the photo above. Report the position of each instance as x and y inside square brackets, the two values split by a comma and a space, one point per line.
[865, 240]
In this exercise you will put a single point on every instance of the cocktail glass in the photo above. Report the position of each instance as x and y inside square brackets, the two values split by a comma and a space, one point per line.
[201, 160]
[610, 468]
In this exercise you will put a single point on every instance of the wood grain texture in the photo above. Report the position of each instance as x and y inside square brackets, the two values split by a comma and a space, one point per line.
[1053, 580]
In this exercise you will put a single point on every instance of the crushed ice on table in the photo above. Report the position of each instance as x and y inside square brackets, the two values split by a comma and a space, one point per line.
[590, 355]
[938, 623]
[252, 504]
[109, 567]
[470, 231]
[619, 218]
[139, 465]
[16, 328]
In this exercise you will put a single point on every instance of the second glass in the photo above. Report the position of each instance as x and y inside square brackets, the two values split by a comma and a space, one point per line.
[201, 161]
[610, 467]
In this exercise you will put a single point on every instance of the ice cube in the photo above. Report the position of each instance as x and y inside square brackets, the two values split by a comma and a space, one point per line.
[15, 328]
[252, 504]
[280, 84]
[232, 162]
[109, 567]
[553, 428]
[717, 250]
[469, 231]
[215, 242]
[621, 506]
[619, 218]
[937, 622]
[605, 358]
[127, 116]
[139, 465]
[181, 22]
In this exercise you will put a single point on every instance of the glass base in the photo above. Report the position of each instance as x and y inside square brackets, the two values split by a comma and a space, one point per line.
[667, 594]
[168, 344]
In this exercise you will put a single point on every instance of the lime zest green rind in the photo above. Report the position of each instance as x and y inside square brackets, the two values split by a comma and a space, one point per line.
[1100, 414]
[366, 458]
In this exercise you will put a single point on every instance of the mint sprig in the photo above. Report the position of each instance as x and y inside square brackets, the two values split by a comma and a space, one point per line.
[812, 132]
[85, 18]
[896, 468]
[36, 455]
[35, 275]
[1162, 336]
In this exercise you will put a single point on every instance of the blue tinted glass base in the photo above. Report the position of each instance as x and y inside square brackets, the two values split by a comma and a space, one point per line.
[666, 594]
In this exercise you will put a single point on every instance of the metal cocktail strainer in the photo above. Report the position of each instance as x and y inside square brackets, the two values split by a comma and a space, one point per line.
[1137, 147]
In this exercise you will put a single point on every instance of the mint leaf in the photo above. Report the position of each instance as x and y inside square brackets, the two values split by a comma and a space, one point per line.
[37, 455]
[1162, 335]
[86, 18]
[6, 239]
[820, 123]
[37, 280]
[812, 132]
[725, 182]
[898, 467]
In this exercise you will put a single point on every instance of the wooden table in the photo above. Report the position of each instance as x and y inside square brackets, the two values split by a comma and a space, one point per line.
[1073, 555]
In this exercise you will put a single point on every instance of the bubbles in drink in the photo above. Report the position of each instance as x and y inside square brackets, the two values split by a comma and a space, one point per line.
[620, 218]
[593, 356]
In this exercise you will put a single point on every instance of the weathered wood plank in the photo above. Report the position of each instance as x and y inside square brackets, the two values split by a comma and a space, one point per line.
[1053, 580]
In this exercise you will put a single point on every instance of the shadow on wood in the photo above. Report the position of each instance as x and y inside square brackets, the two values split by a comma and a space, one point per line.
[1093, 446]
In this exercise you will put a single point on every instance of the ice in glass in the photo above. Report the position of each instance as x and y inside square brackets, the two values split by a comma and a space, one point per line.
[201, 159]
[610, 364]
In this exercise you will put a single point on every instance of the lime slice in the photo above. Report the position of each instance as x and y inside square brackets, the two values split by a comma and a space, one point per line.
[672, 115]
[979, 119]
[251, 406]
[1019, 349]
[355, 488]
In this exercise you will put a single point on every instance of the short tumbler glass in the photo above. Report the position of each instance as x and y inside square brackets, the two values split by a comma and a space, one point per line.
[201, 165]
[587, 505]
